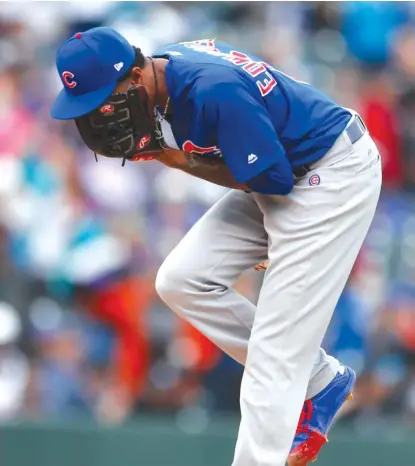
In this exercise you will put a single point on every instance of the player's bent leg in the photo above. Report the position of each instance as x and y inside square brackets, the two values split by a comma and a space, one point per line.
[196, 279]
[315, 242]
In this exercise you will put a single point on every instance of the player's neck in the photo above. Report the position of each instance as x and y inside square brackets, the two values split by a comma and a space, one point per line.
[162, 92]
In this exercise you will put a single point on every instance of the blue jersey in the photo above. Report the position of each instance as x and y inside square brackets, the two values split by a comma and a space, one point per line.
[231, 104]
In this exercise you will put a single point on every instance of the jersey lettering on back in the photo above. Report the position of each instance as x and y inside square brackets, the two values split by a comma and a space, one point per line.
[227, 102]
[257, 69]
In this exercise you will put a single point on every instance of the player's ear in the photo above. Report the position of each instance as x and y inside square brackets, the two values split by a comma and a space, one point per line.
[136, 76]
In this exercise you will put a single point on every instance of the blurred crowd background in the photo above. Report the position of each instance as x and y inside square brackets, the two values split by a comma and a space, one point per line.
[82, 332]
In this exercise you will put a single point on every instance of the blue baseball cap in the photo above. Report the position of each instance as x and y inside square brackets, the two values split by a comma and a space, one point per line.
[89, 65]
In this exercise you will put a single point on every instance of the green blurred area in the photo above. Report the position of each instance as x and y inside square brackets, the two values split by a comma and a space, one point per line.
[159, 442]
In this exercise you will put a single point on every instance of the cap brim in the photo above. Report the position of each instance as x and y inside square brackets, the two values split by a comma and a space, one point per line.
[68, 107]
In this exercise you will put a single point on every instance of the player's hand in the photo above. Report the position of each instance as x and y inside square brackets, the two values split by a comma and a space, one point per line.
[262, 265]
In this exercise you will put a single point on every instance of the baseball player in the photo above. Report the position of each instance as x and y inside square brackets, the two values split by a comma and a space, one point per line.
[305, 177]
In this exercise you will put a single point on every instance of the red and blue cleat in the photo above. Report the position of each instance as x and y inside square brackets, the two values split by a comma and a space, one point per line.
[317, 416]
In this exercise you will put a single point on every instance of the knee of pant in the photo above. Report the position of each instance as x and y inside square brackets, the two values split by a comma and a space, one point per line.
[170, 283]
[179, 285]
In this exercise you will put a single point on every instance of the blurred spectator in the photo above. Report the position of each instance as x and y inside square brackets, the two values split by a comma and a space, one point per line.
[14, 367]
[369, 27]
[59, 380]
[378, 108]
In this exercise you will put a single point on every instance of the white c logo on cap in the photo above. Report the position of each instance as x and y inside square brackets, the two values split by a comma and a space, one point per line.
[67, 78]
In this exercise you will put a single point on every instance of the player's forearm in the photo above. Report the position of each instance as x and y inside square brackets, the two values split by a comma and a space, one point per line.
[213, 171]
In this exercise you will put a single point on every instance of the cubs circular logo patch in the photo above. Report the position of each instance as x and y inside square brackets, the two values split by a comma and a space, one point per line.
[144, 142]
[107, 109]
[314, 180]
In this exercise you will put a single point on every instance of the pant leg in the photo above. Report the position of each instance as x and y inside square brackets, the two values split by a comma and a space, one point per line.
[314, 240]
[196, 279]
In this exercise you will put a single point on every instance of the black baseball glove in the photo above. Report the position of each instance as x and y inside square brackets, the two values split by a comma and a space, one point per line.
[123, 127]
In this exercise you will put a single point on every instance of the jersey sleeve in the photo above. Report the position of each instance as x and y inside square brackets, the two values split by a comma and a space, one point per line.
[246, 136]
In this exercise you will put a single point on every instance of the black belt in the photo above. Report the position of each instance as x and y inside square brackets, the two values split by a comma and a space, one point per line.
[355, 131]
